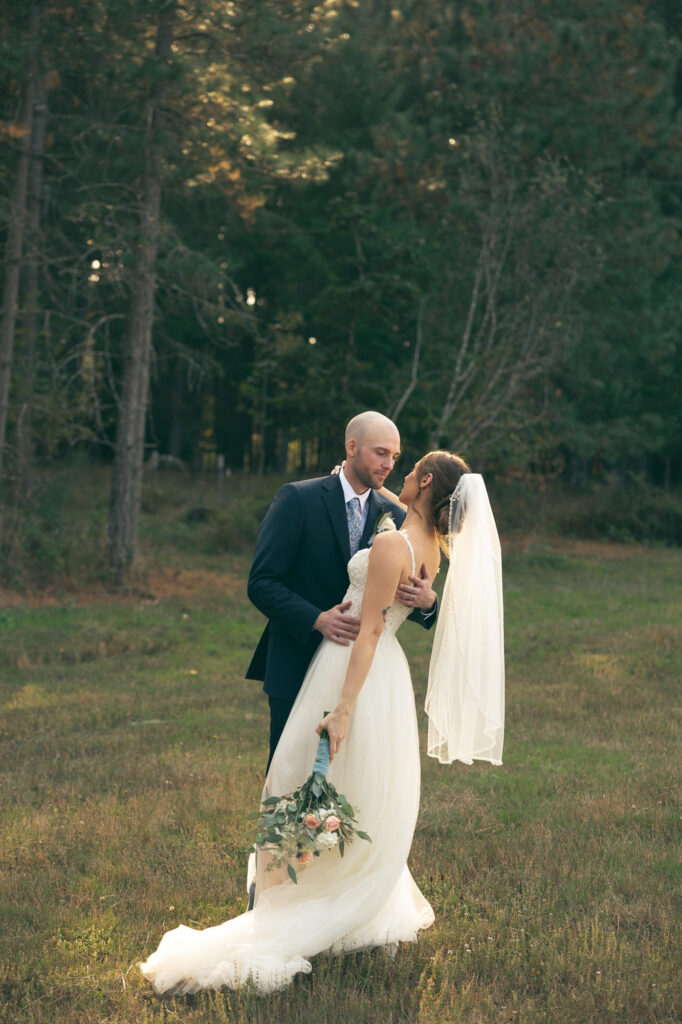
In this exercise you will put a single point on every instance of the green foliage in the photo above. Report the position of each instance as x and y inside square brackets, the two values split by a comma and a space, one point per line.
[581, 100]
[218, 525]
[632, 513]
[334, 176]
[635, 513]
[55, 540]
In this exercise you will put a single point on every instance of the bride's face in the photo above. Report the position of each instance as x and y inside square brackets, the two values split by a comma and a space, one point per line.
[410, 488]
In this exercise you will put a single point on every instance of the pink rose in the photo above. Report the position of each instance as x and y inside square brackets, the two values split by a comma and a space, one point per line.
[332, 823]
[304, 857]
[310, 821]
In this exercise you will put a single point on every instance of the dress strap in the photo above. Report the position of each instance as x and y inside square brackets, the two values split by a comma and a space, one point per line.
[409, 544]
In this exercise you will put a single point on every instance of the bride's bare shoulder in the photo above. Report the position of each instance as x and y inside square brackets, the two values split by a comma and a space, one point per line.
[388, 549]
[387, 543]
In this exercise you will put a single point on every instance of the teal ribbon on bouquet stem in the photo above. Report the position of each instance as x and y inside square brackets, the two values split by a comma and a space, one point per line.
[322, 758]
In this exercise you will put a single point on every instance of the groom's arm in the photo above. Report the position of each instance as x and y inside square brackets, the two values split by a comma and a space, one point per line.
[427, 619]
[277, 549]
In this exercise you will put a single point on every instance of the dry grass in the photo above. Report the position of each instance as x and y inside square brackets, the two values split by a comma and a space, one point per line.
[133, 750]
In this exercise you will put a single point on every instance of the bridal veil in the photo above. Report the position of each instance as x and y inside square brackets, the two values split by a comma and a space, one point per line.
[465, 696]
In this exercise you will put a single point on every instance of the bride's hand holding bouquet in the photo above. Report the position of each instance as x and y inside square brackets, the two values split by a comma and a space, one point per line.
[335, 725]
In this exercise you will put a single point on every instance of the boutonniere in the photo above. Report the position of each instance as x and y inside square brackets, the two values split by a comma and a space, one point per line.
[383, 524]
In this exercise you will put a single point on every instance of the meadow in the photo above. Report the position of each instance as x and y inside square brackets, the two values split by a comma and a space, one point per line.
[133, 752]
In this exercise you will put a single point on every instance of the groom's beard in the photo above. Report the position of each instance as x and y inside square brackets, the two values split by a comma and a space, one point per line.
[365, 477]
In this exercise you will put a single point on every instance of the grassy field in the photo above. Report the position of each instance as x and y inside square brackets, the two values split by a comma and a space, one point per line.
[133, 751]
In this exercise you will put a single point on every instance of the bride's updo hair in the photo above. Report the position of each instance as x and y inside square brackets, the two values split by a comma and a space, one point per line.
[446, 468]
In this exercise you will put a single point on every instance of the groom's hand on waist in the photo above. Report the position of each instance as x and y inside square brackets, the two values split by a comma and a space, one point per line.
[336, 626]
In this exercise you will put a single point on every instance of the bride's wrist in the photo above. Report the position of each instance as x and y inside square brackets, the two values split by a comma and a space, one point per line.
[343, 708]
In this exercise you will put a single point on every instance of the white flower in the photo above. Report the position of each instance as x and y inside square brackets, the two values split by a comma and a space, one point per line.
[385, 523]
[326, 840]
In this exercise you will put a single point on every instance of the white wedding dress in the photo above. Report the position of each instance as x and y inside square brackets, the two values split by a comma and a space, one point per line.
[368, 897]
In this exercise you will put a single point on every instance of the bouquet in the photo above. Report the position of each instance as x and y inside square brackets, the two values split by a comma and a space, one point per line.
[304, 824]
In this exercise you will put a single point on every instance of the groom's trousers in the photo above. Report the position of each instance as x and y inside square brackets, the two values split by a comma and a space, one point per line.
[279, 712]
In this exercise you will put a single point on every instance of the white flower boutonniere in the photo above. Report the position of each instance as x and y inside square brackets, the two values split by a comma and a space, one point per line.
[383, 524]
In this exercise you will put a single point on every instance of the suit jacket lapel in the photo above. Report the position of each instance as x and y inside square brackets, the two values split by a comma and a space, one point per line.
[332, 495]
[375, 507]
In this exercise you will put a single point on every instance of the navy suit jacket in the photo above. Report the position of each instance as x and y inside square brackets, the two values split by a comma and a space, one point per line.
[299, 570]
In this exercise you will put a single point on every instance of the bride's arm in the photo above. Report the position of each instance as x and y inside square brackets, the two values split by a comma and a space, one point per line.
[392, 497]
[388, 557]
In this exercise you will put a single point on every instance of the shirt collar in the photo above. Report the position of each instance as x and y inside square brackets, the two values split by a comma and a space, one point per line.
[349, 493]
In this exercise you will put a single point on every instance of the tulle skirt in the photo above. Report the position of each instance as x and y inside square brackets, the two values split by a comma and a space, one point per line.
[368, 897]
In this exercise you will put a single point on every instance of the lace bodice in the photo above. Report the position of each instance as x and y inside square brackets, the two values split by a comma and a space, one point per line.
[357, 572]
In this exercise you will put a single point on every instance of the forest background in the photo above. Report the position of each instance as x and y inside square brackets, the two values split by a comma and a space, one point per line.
[230, 226]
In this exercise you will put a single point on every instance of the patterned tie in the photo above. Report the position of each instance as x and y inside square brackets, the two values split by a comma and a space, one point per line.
[354, 516]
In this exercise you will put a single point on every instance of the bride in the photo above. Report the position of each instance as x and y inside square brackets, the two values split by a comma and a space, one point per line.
[369, 897]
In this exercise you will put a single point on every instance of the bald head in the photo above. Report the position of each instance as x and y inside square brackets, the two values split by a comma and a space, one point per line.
[366, 424]
[372, 446]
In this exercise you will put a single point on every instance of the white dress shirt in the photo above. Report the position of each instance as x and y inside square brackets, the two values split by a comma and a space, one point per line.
[349, 493]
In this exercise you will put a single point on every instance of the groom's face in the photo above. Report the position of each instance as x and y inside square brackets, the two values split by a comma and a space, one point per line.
[373, 458]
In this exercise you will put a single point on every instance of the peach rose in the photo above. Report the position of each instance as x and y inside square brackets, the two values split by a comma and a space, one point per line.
[304, 857]
[310, 821]
[332, 823]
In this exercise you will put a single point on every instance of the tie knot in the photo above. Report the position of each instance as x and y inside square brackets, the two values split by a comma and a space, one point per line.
[354, 504]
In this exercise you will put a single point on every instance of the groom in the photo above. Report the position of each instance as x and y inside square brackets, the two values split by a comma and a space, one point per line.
[299, 577]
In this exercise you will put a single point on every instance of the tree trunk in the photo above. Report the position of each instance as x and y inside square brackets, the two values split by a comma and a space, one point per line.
[237, 436]
[271, 450]
[263, 422]
[282, 450]
[126, 478]
[178, 412]
[15, 235]
[31, 301]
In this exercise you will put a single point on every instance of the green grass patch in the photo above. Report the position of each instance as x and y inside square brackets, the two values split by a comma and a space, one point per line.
[133, 752]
